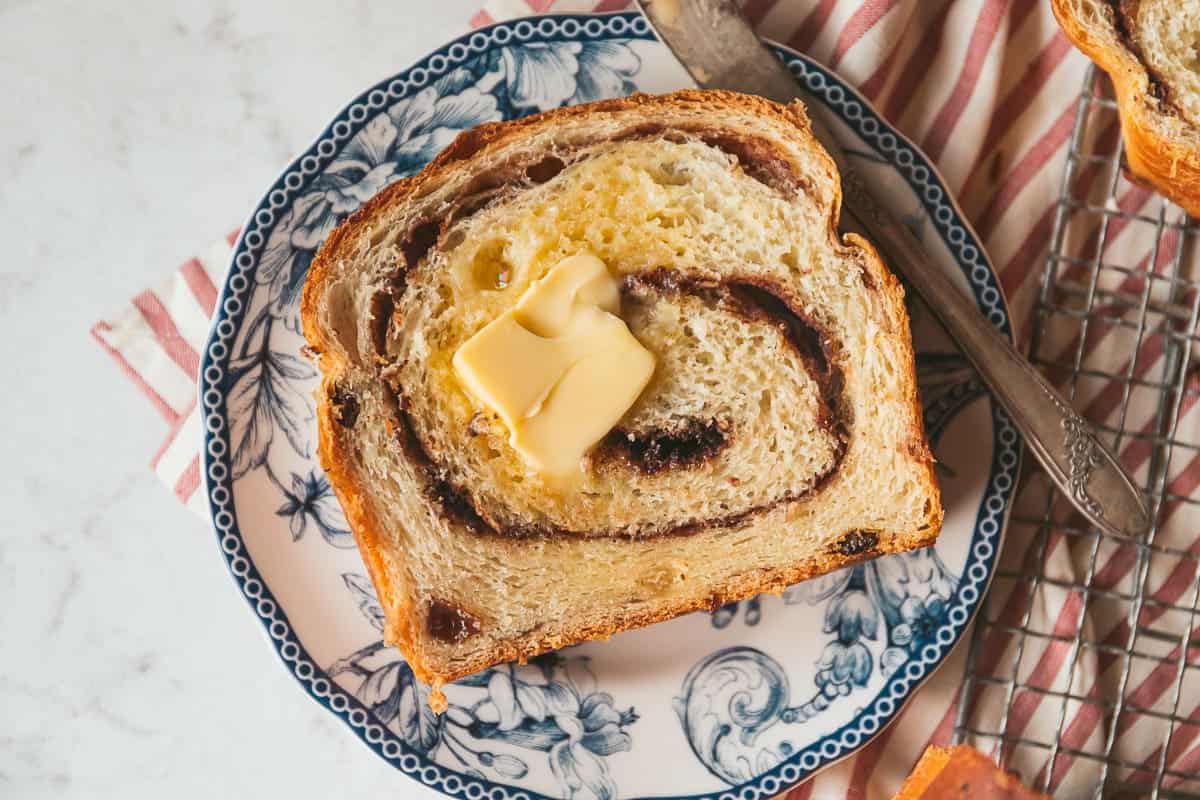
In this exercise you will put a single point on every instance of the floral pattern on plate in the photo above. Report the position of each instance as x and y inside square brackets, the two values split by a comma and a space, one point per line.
[738, 704]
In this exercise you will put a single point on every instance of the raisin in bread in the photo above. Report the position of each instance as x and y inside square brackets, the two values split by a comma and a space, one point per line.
[780, 436]
[1151, 50]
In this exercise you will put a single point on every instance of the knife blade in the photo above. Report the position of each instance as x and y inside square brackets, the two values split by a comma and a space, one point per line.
[720, 50]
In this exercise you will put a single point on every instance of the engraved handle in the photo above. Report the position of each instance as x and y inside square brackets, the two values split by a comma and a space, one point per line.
[1087, 473]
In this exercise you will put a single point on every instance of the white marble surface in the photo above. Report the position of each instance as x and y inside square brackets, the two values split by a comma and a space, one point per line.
[132, 134]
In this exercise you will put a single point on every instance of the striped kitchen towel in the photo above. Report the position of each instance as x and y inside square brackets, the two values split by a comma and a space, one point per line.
[157, 342]
[988, 89]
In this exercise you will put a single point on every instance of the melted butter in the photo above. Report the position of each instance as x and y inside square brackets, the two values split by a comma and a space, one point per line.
[561, 368]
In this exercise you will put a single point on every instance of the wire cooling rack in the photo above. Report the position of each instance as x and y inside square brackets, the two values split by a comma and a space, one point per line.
[1080, 673]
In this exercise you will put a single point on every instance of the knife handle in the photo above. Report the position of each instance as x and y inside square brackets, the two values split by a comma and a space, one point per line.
[1065, 444]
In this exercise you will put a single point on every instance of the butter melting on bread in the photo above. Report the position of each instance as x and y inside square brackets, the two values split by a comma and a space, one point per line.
[776, 434]
[561, 368]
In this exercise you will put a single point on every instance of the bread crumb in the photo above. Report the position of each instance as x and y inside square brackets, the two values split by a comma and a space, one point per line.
[437, 698]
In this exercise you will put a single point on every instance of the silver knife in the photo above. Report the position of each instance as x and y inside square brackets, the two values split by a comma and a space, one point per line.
[721, 51]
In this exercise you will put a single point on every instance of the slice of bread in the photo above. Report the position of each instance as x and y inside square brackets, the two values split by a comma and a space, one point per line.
[955, 773]
[780, 436]
[1151, 50]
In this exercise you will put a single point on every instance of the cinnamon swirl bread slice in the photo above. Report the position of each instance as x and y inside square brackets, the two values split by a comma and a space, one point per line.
[778, 436]
[1151, 51]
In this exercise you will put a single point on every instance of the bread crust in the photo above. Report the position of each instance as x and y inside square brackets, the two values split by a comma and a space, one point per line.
[951, 773]
[1167, 162]
[337, 453]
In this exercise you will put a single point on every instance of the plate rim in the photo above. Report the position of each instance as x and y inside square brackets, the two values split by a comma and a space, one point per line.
[274, 621]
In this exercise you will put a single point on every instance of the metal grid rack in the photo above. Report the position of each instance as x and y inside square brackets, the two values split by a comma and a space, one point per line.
[1101, 700]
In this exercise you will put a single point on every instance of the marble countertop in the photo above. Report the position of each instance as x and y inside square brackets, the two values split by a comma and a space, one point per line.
[131, 136]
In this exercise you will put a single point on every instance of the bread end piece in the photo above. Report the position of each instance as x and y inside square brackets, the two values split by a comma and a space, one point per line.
[1162, 146]
[953, 773]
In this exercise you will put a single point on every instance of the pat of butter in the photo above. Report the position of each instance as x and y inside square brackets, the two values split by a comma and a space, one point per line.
[561, 368]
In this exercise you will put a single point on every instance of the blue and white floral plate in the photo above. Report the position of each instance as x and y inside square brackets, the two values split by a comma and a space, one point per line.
[741, 703]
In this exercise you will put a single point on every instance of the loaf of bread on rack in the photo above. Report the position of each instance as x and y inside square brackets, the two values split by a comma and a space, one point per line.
[1149, 50]
[772, 433]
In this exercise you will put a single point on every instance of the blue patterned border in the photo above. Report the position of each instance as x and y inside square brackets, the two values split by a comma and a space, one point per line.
[947, 220]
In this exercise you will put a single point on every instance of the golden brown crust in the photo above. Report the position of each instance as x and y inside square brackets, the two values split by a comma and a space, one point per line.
[337, 455]
[1170, 165]
[491, 135]
[952, 773]
[339, 464]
